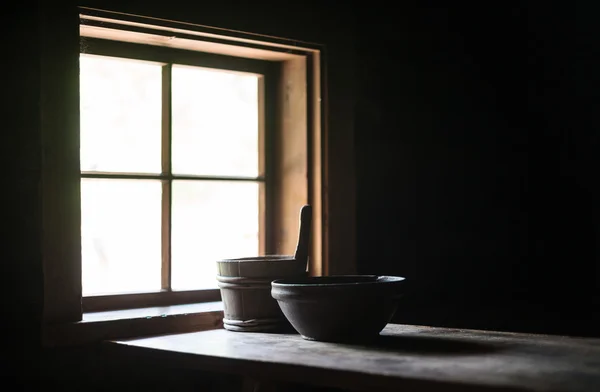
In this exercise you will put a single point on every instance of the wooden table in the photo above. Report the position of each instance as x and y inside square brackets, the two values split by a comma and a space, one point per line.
[408, 358]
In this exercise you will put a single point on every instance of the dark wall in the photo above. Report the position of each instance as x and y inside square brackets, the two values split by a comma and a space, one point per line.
[477, 165]
[21, 261]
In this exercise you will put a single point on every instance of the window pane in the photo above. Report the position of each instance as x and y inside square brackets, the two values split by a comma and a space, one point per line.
[211, 220]
[120, 235]
[120, 115]
[215, 122]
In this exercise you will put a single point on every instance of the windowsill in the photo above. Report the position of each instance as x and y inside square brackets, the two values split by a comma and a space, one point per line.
[140, 322]
[159, 311]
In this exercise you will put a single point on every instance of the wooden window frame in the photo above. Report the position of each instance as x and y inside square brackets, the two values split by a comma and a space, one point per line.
[313, 163]
[167, 57]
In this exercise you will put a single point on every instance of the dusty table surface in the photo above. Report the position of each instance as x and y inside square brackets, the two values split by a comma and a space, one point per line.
[413, 357]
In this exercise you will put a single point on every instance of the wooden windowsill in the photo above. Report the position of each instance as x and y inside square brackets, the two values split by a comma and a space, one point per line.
[129, 323]
[404, 358]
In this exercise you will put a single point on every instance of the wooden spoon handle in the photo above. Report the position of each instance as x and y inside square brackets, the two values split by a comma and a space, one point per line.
[304, 233]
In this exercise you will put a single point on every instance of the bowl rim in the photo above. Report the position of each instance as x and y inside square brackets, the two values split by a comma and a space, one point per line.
[306, 281]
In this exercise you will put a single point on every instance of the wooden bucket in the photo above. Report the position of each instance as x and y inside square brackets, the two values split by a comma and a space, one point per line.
[245, 285]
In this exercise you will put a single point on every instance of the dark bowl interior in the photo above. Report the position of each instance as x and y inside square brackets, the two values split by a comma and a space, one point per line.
[338, 308]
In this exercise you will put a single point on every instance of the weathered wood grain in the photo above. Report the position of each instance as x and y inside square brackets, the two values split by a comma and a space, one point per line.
[405, 357]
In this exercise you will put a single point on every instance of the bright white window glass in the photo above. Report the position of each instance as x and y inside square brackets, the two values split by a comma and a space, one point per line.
[120, 102]
[211, 220]
[120, 236]
[215, 120]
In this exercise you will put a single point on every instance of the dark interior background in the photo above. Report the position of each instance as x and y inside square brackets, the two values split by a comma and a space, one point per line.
[476, 134]
[477, 154]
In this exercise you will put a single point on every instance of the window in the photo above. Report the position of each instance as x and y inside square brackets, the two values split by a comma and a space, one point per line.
[93, 162]
[190, 151]
[174, 169]
[155, 215]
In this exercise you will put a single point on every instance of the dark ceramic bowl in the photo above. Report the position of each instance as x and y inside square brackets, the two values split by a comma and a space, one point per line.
[341, 308]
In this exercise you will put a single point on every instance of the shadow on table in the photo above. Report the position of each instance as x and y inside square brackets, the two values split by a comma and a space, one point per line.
[428, 345]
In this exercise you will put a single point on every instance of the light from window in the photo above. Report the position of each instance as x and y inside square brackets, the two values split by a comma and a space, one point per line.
[120, 115]
[214, 135]
[211, 220]
[121, 235]
[215, 122]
